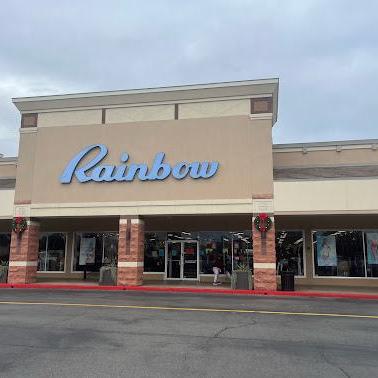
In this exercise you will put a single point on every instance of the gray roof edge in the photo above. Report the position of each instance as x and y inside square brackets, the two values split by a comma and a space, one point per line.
[8, 159]
[352, 142]
[226, 84]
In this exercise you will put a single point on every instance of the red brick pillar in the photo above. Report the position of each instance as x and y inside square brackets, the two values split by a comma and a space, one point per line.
[130, 252]
[264, 257]
[23, 258]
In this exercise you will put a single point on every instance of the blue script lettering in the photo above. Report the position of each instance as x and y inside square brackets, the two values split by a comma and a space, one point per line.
[160, 170]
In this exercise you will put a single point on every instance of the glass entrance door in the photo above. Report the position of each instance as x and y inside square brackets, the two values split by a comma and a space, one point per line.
[190, 260]
[173, 260]
[182, 260]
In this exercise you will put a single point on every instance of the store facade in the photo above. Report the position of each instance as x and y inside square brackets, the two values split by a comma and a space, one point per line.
[165, 183]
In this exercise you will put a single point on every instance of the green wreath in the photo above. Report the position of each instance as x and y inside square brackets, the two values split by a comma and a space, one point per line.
[263, 223]
[19, 225]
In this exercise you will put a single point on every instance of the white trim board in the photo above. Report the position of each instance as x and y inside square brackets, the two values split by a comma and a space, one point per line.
[232, 206]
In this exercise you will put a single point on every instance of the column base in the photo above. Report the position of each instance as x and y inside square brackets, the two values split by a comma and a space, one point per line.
[265, 279]
[22, 274]
[132, 276]
[23, 258]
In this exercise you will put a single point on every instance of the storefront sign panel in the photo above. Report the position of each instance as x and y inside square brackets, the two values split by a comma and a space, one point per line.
[160, 170]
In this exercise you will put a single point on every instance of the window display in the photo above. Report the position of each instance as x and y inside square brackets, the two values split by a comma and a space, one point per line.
[52, 251]
[94, 249]
[5, 240]
[154, 251]
[371, 247]
[184, 235]
[242, 249]
[336, 253]
[339, 253]
[289, 251]
[215, 248]
[110, 243]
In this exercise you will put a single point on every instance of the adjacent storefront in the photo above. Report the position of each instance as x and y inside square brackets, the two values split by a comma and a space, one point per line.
[166, 183]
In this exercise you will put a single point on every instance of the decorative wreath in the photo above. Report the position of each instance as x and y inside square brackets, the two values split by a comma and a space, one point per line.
[19, 225]
[263, 223]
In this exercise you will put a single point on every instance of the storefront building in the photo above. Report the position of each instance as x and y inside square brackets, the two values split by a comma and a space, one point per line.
[164, 183]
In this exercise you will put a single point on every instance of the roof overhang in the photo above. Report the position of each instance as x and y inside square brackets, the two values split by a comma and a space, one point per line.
[175, 94]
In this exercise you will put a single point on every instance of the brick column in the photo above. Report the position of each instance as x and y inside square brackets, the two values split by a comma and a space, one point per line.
[23, 258]
[130, 252]
[264, 258]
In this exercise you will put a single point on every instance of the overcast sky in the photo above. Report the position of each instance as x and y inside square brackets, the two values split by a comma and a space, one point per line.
[324, 52]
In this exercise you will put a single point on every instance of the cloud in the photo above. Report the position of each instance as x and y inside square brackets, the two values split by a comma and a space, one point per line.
[324, 52]
[17, 86]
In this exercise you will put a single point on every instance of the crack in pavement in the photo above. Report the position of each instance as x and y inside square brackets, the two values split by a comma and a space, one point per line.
[217, 334]
[324, 357]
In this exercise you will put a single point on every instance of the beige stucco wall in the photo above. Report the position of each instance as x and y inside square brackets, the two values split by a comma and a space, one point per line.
[69, 118]
[323, 158]
[25, 168]
[241, 146]
[327, 196]
[214, 109]
[140, 113]
[8, 170]
[6, 203]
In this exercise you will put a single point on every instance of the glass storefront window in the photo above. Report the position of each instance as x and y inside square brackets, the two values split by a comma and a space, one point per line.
[339, 253]
[242, 249]
[215, 248]
[4, 247]
[289, 251]
[154, 251]
[184, 235]
[110, 254]
[94, 249]
[371, 253]
[52, 251]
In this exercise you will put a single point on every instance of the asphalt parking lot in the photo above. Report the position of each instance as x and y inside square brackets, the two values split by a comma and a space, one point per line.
[134, 334]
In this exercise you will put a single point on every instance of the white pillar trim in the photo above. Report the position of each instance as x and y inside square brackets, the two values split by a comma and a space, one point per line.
[257, 265]
[133, 221]
[23, 263]
[130, 264]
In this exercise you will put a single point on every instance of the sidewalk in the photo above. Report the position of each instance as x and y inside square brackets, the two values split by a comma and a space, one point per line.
[204, 288]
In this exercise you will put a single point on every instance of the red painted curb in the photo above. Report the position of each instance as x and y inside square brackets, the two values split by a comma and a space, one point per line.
[194, 290]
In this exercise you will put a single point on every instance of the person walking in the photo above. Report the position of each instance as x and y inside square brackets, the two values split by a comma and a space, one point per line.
[216, 271]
